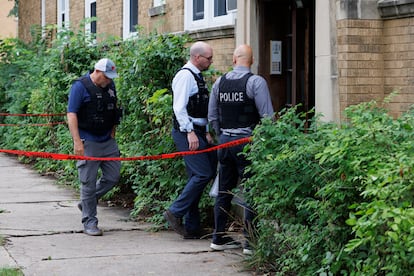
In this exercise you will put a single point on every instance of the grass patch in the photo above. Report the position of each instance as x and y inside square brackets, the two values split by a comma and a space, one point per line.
[11, 272]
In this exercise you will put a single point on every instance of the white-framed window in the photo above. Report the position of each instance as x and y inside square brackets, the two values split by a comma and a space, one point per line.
[90, 11]
[201, 14]
[63, 13]
[130, 18]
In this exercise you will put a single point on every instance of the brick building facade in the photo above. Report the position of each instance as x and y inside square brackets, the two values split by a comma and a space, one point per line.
[375, 58]
[345, 52]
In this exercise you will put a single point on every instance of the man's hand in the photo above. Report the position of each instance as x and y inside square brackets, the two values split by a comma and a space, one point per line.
[192, 140]
[209, 138]
[78, 148]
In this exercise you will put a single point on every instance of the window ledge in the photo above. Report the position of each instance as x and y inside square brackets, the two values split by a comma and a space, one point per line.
[213, 33]
[396, 8]
[159, 10]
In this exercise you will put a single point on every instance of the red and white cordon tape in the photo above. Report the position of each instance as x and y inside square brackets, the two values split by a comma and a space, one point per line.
[31, 115]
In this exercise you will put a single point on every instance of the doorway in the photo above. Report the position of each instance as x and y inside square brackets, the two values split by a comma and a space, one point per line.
[287, 58]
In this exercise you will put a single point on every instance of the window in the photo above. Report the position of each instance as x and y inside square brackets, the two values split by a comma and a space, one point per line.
[219, 8]
[130, 20]
[200, 14]
[198, 9]
[90, 11]
[63, 13]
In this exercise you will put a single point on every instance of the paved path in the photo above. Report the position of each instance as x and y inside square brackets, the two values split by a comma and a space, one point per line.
[41, 226]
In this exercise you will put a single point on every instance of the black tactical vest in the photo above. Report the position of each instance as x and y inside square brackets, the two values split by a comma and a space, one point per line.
[197, 106]
[236, 109]
[99, 115]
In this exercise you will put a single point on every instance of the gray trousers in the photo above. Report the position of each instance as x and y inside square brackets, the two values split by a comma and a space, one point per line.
[91, 188]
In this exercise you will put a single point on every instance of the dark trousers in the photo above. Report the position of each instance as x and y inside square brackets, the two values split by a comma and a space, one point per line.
[201, 169]
[231, 169]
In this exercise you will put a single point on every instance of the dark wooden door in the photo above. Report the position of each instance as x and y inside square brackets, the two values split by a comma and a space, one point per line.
[290, 24]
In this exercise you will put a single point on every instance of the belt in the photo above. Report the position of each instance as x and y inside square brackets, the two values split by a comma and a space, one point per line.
[195, 127]
[232, 134]
[199, 128]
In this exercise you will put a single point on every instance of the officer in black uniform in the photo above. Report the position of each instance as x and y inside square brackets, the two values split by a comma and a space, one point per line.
[237, 103]
[92, 115]
[191, 132]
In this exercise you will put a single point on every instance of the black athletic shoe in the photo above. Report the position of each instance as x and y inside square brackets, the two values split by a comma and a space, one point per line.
[197, 235]
[175, 223]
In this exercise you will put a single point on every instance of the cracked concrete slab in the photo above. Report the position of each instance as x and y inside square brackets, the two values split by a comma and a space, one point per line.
[5, 259]
[41, 223]
[138, 252]
[54, 217]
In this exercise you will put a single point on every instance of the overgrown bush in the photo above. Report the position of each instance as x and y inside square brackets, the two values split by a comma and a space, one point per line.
[37, 79]
[334, 200]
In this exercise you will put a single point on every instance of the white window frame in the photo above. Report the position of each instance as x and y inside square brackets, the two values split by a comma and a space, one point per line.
[209, 21]
[63, 10]
[88, 14]
[126, 33]
[43, 10]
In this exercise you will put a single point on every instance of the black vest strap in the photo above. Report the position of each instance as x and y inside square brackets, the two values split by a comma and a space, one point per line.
[92, 88]
[197, 106]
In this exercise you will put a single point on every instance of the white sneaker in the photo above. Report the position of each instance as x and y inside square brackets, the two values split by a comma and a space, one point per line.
[247, 251]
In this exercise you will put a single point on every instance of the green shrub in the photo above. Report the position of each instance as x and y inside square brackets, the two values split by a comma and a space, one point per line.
[334, 199]
[146, 66]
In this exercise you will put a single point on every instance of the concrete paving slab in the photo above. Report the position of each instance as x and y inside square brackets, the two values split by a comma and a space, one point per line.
[58, 217]
[115, 243]
[208, 264]
[122, 253]
[5, 259]
[14, 180]
[42, 226]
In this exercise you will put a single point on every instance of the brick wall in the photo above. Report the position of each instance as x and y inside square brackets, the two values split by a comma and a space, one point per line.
[360, 61]
[51, 17]
[399, 63]
[76, 14]
[222, 53]
[170, 20]
[375, 58]
[109, 14]
[51, 12]
[29, 15]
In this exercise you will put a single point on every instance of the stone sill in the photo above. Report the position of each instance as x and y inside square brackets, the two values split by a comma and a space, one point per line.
[159, 10]
[211, 33]
[396, 8]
